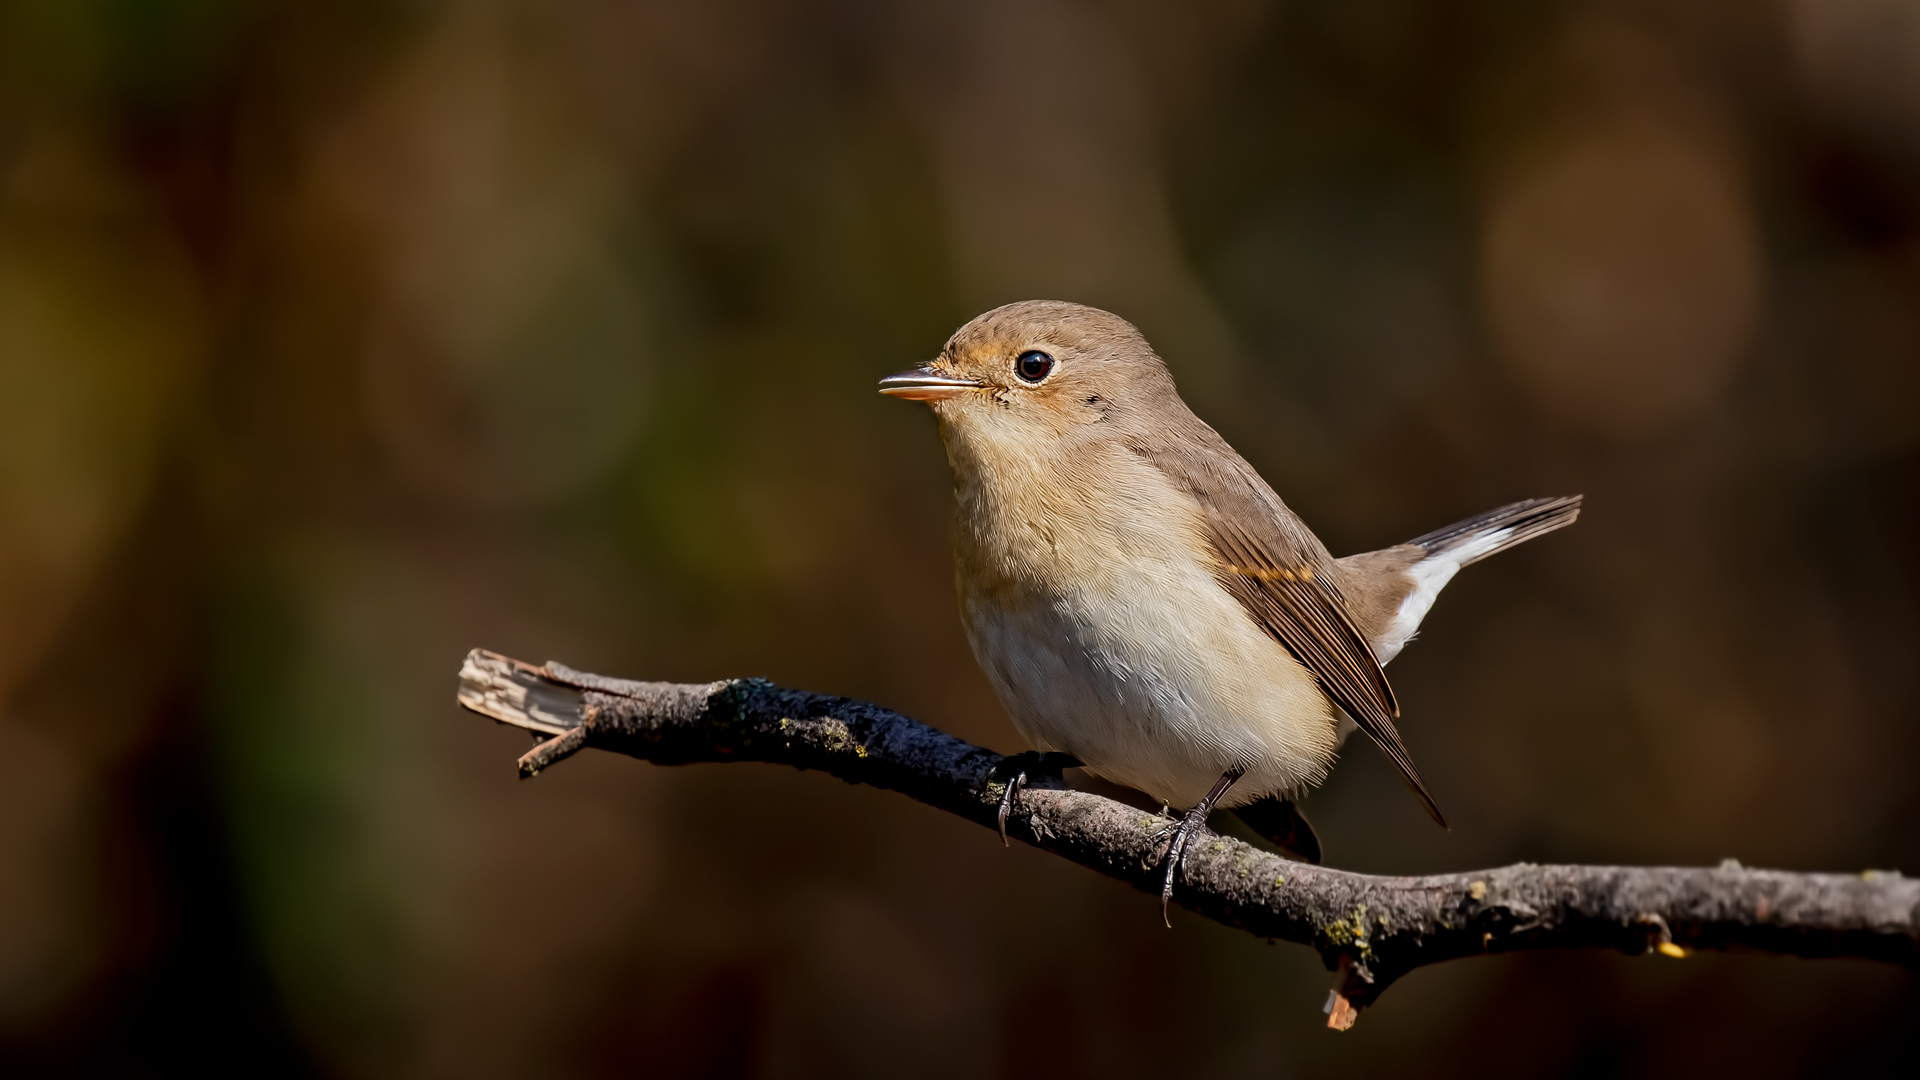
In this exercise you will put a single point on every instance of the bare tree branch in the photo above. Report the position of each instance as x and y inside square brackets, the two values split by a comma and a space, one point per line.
[1370, 929]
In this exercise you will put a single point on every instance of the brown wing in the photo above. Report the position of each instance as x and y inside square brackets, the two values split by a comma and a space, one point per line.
[1303, 611]
[1279, 572]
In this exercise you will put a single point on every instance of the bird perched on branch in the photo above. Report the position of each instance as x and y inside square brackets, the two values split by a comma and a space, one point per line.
[1142, 602]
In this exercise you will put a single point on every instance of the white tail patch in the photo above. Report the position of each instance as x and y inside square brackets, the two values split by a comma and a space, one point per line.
[1430, 575]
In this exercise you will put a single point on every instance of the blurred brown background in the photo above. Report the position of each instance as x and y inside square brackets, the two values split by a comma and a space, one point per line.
[339, 337]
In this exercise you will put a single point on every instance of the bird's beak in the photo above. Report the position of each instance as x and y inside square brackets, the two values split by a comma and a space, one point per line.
[925, 383]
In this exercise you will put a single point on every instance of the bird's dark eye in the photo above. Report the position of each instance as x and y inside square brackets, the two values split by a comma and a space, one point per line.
[1033, 366]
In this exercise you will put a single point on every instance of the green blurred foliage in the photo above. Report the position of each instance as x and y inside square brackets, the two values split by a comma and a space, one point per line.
[336, 339]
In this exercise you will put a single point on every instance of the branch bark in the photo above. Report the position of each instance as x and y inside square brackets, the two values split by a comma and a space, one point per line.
[1371, 929]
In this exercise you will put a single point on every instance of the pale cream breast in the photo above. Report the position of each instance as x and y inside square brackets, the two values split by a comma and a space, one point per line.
[1104, 633]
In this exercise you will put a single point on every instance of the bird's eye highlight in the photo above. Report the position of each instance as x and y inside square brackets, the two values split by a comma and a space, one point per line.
[1033, 366]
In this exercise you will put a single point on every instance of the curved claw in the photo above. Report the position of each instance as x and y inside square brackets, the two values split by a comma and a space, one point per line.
[1175, 852]
[1046, 764]
[1166, 895]
[1006, 804]
[1177, 847]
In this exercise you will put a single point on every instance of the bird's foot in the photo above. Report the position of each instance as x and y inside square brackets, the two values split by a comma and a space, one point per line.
[1183, 831]
[1014, 770]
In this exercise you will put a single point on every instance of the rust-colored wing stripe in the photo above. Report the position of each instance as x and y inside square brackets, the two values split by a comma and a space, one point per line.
[1271, 563]
[1303, 611]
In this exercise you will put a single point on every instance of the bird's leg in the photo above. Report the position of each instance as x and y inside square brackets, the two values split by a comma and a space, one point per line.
[1014, 769]
[1196, 818]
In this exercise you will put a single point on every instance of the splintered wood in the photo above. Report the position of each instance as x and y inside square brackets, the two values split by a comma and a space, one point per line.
[1340, 1012]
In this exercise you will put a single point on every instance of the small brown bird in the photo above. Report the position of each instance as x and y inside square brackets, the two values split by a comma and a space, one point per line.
[1142, 602]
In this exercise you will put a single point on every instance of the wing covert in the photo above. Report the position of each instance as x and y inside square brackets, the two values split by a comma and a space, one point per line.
[1301, 608]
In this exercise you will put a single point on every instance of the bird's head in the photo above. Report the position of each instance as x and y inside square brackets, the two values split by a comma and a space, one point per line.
[1025, 374]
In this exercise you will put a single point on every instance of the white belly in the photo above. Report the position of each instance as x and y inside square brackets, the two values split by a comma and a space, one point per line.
[1156, 678]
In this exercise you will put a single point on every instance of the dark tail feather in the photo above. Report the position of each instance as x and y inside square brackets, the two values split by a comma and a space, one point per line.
[1281, 821]
[1534, 517]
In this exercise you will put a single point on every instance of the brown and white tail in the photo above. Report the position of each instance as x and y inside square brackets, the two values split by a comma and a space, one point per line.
[1464, 543]
[1467, 542]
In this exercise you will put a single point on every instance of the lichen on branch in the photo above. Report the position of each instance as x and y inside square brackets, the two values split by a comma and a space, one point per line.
[1369, 928]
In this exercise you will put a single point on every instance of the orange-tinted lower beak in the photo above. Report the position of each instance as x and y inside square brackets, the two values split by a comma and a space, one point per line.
[924, 383]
